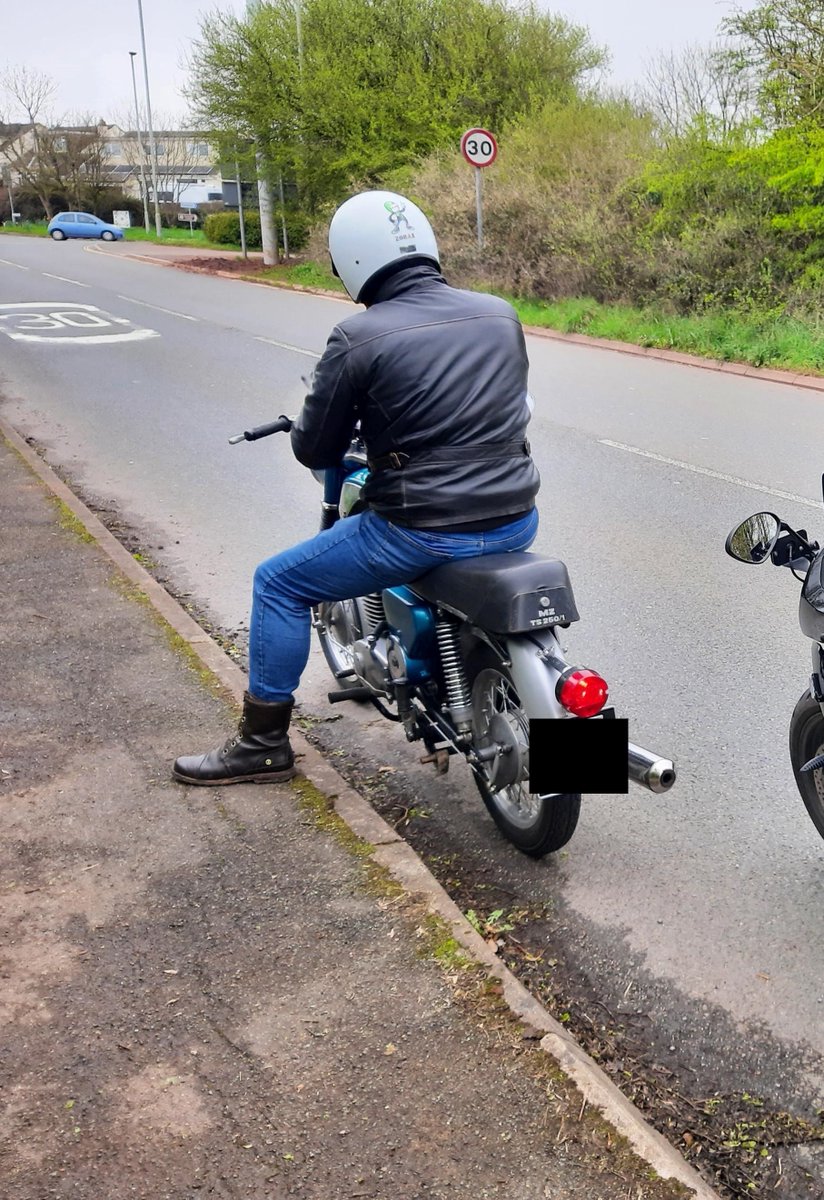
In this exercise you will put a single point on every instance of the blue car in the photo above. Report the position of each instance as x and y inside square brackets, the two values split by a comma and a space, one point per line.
[81, 225]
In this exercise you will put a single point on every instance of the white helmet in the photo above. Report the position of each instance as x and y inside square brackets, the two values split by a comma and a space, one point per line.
[372, 231]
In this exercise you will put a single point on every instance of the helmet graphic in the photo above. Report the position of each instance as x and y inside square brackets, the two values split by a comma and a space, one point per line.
[372, 231]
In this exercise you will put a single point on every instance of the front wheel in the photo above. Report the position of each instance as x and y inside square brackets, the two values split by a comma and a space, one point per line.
[537, 825]
[107, 235]
[806, 742]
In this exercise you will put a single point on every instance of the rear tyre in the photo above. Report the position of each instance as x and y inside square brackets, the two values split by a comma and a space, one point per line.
[107, 235]
[339, 627]
[806, 742]
[537, 825]
[58, 235]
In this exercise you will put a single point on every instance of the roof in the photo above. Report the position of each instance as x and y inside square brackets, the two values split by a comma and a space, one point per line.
[9, 132]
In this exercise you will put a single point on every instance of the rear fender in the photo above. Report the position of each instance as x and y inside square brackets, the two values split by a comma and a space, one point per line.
[535, 677]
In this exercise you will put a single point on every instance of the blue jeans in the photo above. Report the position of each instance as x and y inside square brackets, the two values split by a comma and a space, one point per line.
[358, 555]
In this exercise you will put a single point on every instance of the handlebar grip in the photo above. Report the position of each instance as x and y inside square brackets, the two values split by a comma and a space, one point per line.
[281, 425]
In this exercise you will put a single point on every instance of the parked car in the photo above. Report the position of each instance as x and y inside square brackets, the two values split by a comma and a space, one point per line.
[84, 225]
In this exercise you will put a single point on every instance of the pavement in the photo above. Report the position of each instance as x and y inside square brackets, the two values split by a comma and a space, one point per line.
[249, 992]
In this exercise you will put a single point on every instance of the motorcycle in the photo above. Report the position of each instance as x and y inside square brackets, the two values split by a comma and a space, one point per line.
[764, 536]
[463, 658]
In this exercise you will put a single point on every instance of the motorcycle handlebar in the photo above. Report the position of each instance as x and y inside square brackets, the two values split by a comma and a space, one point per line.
[281, 425]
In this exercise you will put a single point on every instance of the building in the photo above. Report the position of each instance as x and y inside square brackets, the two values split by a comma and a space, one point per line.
[68, 159]
[188, 173]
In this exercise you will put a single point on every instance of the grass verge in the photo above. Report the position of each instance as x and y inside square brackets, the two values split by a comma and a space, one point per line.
[26, 229]
[169, 237]
[760, 339]
[307, 274]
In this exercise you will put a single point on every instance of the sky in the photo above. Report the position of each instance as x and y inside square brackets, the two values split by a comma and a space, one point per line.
[88, 56]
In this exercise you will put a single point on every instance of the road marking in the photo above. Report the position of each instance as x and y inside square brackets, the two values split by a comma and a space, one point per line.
[286, 346]
[65, 322]
[136, 335]
[12, 264]
[169, 311]
[720, 475]
[64, 279]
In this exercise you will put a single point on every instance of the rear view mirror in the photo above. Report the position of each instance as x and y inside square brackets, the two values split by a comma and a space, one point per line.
[754, 539]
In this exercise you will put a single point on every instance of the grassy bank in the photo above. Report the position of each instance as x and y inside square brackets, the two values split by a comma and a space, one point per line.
[762, 340]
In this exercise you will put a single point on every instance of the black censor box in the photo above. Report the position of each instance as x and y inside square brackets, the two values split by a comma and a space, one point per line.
[587, 756]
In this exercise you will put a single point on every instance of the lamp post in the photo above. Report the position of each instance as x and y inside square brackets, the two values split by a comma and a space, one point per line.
[144, 187]
[152, 146]
[268, 237]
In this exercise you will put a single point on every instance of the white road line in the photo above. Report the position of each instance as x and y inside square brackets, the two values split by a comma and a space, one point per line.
[6, 262]
[103, 339]
[734, 479]
[169, 311]
[57, 304]
[64, 279]
[286, 346]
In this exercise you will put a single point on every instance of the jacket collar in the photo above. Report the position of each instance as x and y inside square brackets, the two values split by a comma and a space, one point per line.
[405, 280]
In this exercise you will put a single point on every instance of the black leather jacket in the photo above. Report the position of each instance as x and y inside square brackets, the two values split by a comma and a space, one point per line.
[437, 378]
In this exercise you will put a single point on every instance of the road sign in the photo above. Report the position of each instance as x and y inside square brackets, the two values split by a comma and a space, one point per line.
[479, 148]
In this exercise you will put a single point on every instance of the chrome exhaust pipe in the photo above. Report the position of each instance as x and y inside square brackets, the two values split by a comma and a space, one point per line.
[650, 771]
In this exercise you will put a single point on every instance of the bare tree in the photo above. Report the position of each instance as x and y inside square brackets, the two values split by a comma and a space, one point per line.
[31, 91]
[700, 85]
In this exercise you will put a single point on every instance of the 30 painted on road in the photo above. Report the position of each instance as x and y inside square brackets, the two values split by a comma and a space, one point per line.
[62, 322]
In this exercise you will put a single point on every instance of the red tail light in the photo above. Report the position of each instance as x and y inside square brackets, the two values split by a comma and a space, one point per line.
[582, 692]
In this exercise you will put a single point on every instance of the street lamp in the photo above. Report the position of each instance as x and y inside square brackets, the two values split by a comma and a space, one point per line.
[132, 54]
[152, 146]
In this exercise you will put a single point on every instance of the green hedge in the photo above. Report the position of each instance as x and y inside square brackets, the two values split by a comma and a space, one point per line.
[224, 228]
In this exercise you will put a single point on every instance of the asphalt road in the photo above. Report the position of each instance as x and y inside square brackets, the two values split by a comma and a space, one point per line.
[706, 904]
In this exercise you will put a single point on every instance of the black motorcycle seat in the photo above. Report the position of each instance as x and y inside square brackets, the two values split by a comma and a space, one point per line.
[503, 593]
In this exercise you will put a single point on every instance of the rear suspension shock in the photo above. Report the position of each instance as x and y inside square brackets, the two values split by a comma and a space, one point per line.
[458, 696]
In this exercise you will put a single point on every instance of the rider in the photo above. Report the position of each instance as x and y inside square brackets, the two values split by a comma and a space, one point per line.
[437, 378]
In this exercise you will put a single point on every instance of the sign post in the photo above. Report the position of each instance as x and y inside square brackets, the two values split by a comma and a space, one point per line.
[480, 149]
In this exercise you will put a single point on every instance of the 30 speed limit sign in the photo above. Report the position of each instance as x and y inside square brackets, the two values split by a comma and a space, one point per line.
[479, 147]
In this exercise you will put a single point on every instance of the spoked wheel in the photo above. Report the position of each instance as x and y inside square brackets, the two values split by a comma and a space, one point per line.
[535, 824]
[806, 743]
[339, 627]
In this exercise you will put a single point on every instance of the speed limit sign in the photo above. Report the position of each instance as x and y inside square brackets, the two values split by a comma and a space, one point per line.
[479, 147]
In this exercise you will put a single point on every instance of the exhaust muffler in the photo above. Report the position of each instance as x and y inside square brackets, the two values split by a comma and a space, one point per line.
[650, 771]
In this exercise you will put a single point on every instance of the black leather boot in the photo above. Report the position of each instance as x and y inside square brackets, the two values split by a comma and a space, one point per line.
[258, 753]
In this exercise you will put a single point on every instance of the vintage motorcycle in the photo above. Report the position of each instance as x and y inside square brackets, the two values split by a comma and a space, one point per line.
[463, 658]
[765, 536]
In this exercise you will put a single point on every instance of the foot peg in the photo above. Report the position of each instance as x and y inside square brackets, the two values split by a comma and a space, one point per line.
[440, 759]
[356, 693]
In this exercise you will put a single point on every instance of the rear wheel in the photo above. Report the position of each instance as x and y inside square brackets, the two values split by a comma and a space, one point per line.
[58, 235]
[537, 825]
[807, 742]
[339, 627]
